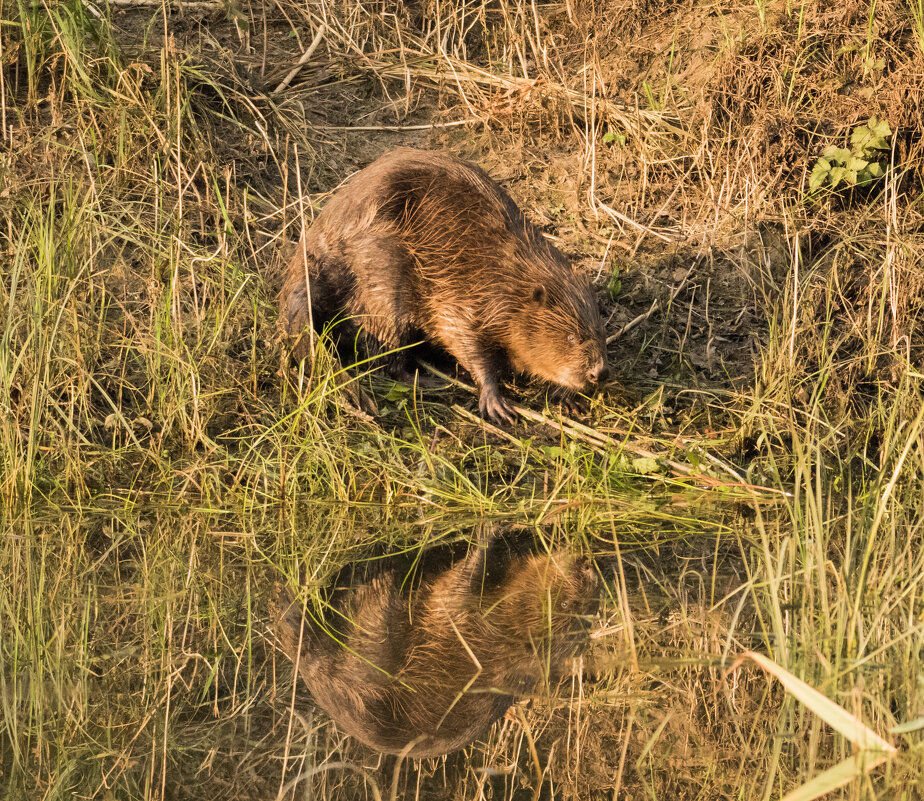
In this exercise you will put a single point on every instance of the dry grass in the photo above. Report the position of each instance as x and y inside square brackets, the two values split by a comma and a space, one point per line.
[752, 482]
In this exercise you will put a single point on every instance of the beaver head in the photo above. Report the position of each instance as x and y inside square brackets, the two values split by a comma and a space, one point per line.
[540, 616]
[559, 334]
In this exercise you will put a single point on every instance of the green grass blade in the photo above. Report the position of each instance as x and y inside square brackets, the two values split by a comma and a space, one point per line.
[838, 718]
[842, 773]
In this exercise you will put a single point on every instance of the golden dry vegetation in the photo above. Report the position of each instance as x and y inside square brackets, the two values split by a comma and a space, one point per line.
[753, 480]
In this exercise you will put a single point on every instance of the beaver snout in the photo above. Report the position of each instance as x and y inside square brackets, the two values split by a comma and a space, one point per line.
[599, 373]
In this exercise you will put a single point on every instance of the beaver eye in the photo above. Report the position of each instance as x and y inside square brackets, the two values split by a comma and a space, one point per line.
[572, 338]
[564, 606]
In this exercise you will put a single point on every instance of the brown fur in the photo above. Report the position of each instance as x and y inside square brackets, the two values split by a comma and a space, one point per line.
[432, 656]
[423, 245]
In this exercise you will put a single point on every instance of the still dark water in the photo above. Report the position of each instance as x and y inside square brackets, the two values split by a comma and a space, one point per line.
[514, 662]
[436, 659]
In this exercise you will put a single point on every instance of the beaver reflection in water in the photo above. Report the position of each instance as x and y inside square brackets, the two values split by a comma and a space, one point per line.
[423, 245]
[427, 656]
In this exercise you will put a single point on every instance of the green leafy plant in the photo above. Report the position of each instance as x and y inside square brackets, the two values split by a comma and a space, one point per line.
[858, 165]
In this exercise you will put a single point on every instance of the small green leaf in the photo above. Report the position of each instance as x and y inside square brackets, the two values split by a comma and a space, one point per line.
[880, 128]
[874, 168]
[856, 164]
[850, 176]
[871, 136]
[861, 134]
[397, 392]
[645, 465]
[837, 175]
[876, 143]
[818, 177]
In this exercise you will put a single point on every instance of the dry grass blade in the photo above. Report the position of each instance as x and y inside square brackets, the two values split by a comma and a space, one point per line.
[872, 750]
[838, 718]
[301, 61]
[850, 769]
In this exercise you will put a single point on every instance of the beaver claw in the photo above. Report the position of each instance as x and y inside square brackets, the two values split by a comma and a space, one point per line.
[571, 404]
[493, 406]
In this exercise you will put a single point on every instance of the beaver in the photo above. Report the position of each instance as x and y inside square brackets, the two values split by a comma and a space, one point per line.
[422, 655]
[422, 245]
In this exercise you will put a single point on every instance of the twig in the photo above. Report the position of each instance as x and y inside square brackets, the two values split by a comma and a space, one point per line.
[418, 60]
[655, 303]
[595, 438]
[632, 323]
[301, 62]
[603, 442]
[465, 414]
[619, 216]
[205, 5]
[722, 465]
[397, 128]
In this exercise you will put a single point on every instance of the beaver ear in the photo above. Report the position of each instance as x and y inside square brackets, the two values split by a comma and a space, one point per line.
[539, 295]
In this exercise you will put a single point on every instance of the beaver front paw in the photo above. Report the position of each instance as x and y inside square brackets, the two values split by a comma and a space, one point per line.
[572, 404]
[493, 406]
